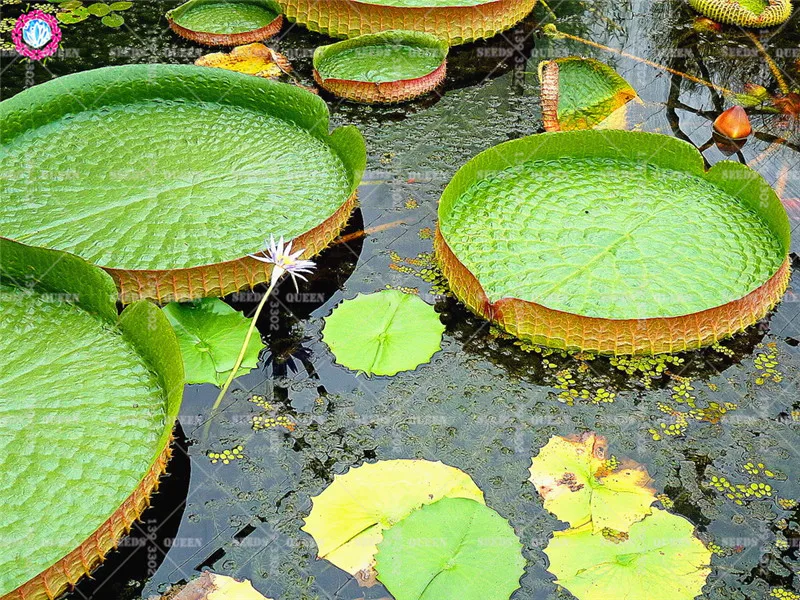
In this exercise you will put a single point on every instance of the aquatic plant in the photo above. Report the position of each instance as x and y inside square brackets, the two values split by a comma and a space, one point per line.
[580, 93]
[385, 68]
[733, 124]
[210, 334]
[745, 13]
[456, 21]
[659, 559]
[252, 59]
[268, 158]
[383, 333]
[557, 247]
[579, 485]
[226, 22]
[75, 11]
[349, 517]
[211, 586]
[451, 549]
[111, 385]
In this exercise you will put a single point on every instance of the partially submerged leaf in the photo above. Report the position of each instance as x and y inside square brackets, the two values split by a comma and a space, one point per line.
[252, 59]
[580, 93]
[211, 334]
[210, 586]
[113, 20]
[579, 486]
[383, 333]
[453, 549]
[348, 518]
[660, 560]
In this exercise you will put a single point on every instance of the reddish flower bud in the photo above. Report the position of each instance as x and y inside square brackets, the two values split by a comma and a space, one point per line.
[733, 124]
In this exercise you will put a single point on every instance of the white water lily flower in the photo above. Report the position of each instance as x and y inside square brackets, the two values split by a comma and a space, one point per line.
[284, 260]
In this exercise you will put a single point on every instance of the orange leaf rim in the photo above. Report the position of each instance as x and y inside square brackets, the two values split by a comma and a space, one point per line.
[389, 92]
[455, 24]
[221, 279]
[64, 574]
[109, 85]
[554, 328]
[208, 38]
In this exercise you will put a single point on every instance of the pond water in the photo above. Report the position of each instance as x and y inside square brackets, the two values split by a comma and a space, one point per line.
[484, 404]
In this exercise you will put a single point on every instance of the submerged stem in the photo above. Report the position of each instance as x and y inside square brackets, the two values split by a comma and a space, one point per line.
[276, 275]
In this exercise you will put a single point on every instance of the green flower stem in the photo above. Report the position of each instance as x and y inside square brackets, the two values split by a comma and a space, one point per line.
[277, 272]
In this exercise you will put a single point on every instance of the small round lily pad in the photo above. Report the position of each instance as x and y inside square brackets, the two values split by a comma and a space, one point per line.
[616, 242]
[453, 549]
[386, 67]
[383, 333]
[226, 22]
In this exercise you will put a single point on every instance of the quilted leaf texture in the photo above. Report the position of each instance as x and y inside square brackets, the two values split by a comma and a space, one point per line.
[386, 67]
[456, 21]
[88, 404]
[226, 22]
[612, 241]
[745, 13]
[130, 174]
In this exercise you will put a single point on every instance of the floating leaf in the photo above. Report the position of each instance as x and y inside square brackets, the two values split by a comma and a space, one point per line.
[745, 13]
[383, 333]
[579, 486]
[113, 20]
[579, 93]
[121, 5]
[268, 160]
[70, 4]
[210, 586]
[348, 518]
[220, 23]
[453, 549]
[211, 334]
[68, 18]
[456, 21]
[97, 428]
[384, 67]
[573, 240]
[99, 9]
[252, 59]
[660, 560]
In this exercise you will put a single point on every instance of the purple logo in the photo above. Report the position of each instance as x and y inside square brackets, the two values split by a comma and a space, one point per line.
[36, 35]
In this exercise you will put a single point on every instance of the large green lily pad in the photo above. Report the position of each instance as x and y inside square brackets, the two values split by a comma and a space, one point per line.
[349, 517]
[225, 16]
[453, 549]
[87, 406]
[383, 333]
[616, 226]
[381, 57]
[660, 560]
[159, 167]
[211, 334]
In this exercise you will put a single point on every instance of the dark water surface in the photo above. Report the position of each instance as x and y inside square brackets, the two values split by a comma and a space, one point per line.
[483, 404]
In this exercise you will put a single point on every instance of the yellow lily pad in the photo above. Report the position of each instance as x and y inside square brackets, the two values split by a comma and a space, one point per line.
[348, 518]
[580, 484]
[252, 59]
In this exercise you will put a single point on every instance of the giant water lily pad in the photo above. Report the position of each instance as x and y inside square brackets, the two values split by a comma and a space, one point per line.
[169, 175]
[385, 67]
[383, 333]
[612, 241]
[87, 406]
[453, 549]
[455, 21]
[349, 517]
[580, 93]
[579, 486]
[211, 334]
[745, 13]
[226, 22]
[660, 560]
